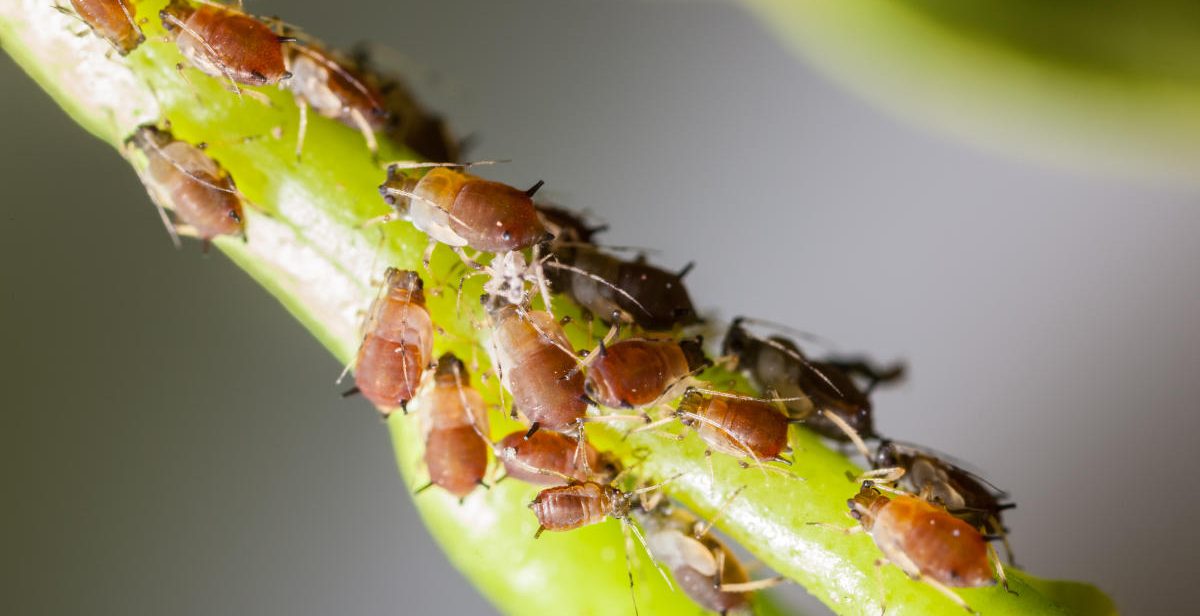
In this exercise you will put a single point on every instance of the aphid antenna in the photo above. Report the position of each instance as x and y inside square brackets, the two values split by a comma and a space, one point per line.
[735, 438]
[850, 433]
[159, 200]
[613, 332]
[707, 526]
[601, 280]
[726, 394]
[775, 344]
[756, 585]
[417, 164]
[509, 454]
[786, 329]
[188, 172]
[545, 336]
[459, 387]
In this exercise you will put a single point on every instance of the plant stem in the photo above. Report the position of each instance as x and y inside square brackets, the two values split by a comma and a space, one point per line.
[306, 245]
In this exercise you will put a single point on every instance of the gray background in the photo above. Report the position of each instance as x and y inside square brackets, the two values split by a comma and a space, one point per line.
[180, 447]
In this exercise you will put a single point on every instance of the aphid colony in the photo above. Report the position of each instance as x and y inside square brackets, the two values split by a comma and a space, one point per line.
[929, 516]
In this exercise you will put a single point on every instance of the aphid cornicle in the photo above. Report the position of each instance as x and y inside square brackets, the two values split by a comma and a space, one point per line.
[813, 388]
[454, 421]
[704, 568]
[335, 89]
[397, 344]
[112, 20]
[459, 209]
[736, 425]
[925, 541]
[555, 453]
[638, 292]
[180, 177]
[962, 493]
[538, 367]
[226, 43]
[639, 371]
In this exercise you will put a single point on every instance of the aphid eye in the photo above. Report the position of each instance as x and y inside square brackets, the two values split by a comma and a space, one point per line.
[233, 214]
[506, 236]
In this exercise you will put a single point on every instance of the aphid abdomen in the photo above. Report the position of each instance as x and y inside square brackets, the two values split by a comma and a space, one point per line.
[664, 299]
[457, 459]
[573, 506]
[494, 217]
[547, 451]
[634, 373]
[593, 295]
[228, 44]
[191, 183]
[387, 373]
[450, 407]
[943, 547]
[700, 587]
[335, 90]
[113, 20]
[737, 425]
[540, 391]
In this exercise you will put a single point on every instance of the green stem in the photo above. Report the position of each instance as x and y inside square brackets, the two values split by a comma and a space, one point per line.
[305, 245]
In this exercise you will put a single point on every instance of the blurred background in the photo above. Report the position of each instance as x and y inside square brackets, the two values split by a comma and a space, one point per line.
[178, 444]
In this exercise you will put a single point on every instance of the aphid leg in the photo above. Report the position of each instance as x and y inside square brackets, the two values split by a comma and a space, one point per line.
[1000, 575]
[600, 350]
[700, 532]
[878, 476]
[301, 126]
[367, 133]
[472, 263]
[642, 540]
[629, 564]
[601, 280]
[945, 590]
[423, 488]
[416, 164]
[187, 231]
[845, 530]
[879, 564]
[994, 523]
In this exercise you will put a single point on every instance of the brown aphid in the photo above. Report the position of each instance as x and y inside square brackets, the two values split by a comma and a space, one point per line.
[538, 366]
[736, 425]
[925, 541]
[397, 344]
[459, 209]
[934, 478]
[226, 43]
[567, 227]
[416, 127]
[335, 89]
[112, 20]
[638, 292]
[576, 505]
[703, 567]
[637, 372]
[454, 422]
[180, 177]
[814, 388]
[556, 454]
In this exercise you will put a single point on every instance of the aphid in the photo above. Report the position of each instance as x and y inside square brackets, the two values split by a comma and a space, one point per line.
[637, 372]
[815, 388]
[111, 20]
[180, 177]
[558, 455]
[414, 126]
[538, 366]
[703, 567]
[640, 293]
[335, 89]
[459, 209]
[226, 43]
[397, 344]
[455, 424]
[926, 542]
[934, 478]
[736, 425]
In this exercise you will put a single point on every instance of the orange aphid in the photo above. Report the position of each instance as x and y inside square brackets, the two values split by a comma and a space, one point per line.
[112, 20]
[639, 371]
[556, 453]
[226, 43]
[336, 90]
[454, 421]
[538, 366]
[397, 344]
[180, 177]
[736, 425]
[925, 541]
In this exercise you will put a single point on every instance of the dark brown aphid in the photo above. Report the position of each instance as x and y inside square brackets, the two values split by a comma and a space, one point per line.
[180, 177]
[226, 43]
[703, 567]
[637, 372]
[736, 425]
[335, 89]
[537, 365]
[454, 421]
[815, 388]
[926, 542]
[413, 125]
[459, 209]
[397, 344]
[651, 297]
[934, 478]
[556, 454]
[112, 20]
